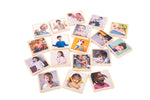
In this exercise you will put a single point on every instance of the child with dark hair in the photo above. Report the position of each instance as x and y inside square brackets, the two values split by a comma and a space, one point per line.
[119, 48]
[60, 43]
[38, 63]
[102, 57]
[98, 80]
[48, 77]
[59, 26]
[75, 81]
[61, 58]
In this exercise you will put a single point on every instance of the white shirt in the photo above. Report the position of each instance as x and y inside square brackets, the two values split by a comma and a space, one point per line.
[39, 64]
[45, 86]
[79, 43]
[61, 59]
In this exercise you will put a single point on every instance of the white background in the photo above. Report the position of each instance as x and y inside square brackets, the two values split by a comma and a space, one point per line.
[130, 73]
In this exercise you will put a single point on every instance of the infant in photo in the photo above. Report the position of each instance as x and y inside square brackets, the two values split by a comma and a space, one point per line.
[43, 30]
[48, 81]
[102, 57]
[75, 81]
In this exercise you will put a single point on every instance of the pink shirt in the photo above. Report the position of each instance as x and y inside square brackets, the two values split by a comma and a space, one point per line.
[96, 86]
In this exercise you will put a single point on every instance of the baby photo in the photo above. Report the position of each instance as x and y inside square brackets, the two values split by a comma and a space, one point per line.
[41, 30]
[48, 81]
[60, 41]
[101, 80]
[100, 57]
[38, 45]
[101, 38]
[60, 57]
[82, 31]
[75, 18]
[75, 81]
[81, 62]
[59, 25]
[80, 44]
[119, 47]
[98, 21]
[119, 29]
[36, 63]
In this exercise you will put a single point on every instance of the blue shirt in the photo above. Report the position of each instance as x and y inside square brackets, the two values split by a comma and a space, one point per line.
[42, 33]
[115, 32]
[60, 44]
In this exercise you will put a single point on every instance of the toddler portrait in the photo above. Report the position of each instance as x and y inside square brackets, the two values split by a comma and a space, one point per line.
[101, 80]
[60, 41]
[101, 38]
[81, 62]
[48, 81]
[36, 63]
[82, 30]
[100, 57]
[41, 29]
[75, 81]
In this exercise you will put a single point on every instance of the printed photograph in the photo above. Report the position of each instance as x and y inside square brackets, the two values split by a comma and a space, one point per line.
[75, 81]
[119, 29]
[59, 25]
[76, 18]
[36, 63]
[60, 57]
[119, 47]
[41, 30]
[80, 44]
[101, 80]
[82, 30]
[48, 81]
[60, 41]
[101, 38]
[100, 57]
[81, 62]
[38, 45]
[98, 21]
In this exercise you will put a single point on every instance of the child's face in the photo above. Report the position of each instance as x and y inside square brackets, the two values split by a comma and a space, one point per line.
[83, 57]
[48, 78]
[34, 60]
[101, 57]
[58, 22]
[59, 38]
[81, 28]
[100, 18]
[119, 48]
[76, 79]
[99, 79]
[77, 15]
[80, 57]
[44, 27]
[59, 54]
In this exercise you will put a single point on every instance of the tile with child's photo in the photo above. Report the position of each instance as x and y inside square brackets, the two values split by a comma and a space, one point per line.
[101, 57]
[119, 29]
[75, 81]
[60, 58]
[37, 64]
[75, 18]
[48, 81]
[82, 31]
[80, 45]
[119, 47]
[60, 41]
[101, 38]
[81, 62]
[41, 30]
[98, 22]
[101, 80]
[38, 46]
[59, 25]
